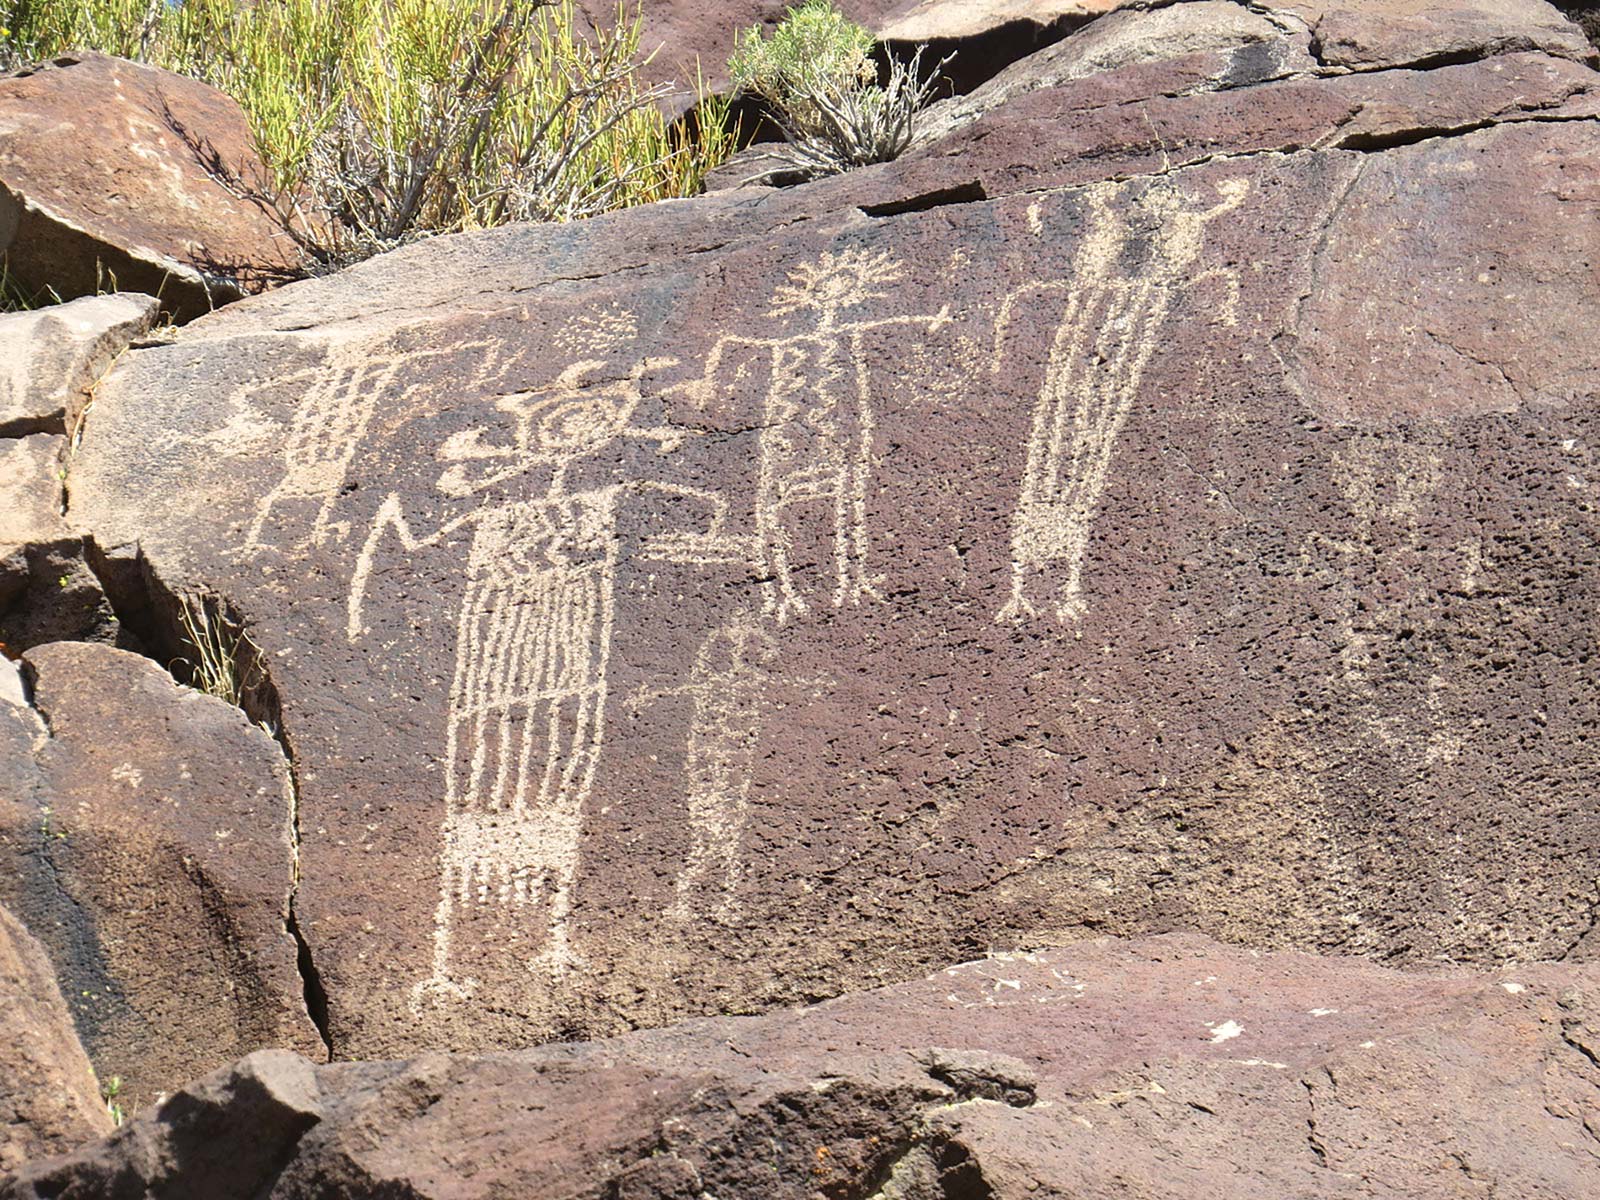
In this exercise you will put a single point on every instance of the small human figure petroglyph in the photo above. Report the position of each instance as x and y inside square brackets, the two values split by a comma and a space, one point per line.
[816, 420]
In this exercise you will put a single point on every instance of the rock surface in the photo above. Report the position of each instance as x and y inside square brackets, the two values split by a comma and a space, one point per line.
[54, 356]
[47, 590]
[106, 179]
[49, 1102]
[1167, 1068]
[951, 20]
[146, 840]
[1164, 502]
[50, 360]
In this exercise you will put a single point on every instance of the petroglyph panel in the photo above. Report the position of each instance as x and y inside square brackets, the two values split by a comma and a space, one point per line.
[646, 660]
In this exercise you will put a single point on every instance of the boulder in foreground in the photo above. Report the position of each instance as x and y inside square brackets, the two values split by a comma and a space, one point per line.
[146, 838]
[111, 177]
[1165, 1069]
[49, 1102]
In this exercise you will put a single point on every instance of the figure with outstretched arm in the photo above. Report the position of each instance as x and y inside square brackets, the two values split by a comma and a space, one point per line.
[1107, 328]
[526, 721]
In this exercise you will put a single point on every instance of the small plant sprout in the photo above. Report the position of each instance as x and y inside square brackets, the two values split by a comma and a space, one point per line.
[110, 1091]
[817, 78]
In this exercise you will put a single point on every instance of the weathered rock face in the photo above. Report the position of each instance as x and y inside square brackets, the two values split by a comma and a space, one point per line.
[1165, 1068]
[1154, 505]
[146, 840]
[49, 1103]
[81, 207]
[52, 358]
[949, 20]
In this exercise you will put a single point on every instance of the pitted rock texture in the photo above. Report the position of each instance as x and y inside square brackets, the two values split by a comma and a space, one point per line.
[82, 210]
[1160, 504]
[1169, 1068]
[146, 839]
[49, 1102]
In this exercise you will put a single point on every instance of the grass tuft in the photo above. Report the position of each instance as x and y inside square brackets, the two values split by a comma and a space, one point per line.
[818, 80]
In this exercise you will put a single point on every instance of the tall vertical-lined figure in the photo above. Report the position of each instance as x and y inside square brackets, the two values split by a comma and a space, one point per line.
[1104, 338]
[816, 424]
[527, 704]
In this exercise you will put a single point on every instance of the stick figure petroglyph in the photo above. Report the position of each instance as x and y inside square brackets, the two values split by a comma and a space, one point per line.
[1104, 339]
[728, 684]
[527, 705]
[816, 421]
[331, 406]
[324, 431]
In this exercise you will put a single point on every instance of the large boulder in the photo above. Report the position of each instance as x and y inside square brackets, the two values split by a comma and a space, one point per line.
[147, 839]
[1169, 1069]
[1154, 505]
[49, 1100]
[119, 175]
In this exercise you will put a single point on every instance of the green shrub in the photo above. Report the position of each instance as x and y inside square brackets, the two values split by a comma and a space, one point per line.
[380, 121]
[818, 80]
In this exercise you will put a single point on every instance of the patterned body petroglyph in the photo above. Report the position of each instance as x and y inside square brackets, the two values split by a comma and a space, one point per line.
[527, 716]
[326, 428]
[816, 422]
[1106, 335]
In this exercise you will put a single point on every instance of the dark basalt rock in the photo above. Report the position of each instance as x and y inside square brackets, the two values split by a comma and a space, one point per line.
[1162, 502]
[146, 840]
[49, 1103]
[1165, 1068]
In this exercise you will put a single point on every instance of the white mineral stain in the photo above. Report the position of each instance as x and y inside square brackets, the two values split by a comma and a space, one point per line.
[1225, 1031]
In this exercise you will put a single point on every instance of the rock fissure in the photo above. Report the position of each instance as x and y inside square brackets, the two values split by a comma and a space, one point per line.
[1582, 1048]
[1368, 142]
[313, 991]
[148, 608]
[1313, 1140]
[1588, 930]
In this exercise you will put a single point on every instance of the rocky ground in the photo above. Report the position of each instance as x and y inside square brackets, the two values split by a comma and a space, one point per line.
[1136, 546]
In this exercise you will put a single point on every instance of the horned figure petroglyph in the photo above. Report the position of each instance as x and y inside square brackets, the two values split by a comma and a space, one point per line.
[1103, 341]
[816, 421]
[527, 705]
